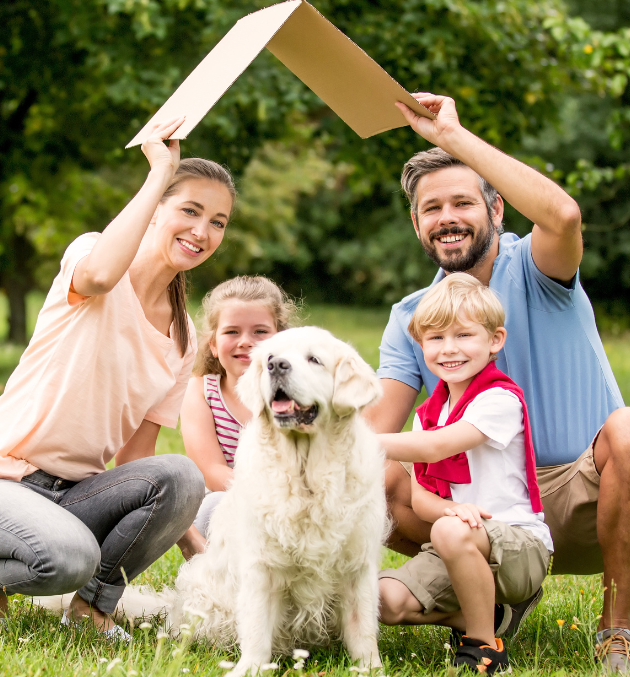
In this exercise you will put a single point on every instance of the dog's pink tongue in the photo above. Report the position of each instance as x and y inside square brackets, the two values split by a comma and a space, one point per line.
[282, 406]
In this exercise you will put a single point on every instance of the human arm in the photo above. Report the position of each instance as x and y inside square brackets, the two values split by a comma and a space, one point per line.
[100, 271]
[200, 437]
[557, 234]
[141, 444]
[430, 507]
[390, 413]
[431, 446]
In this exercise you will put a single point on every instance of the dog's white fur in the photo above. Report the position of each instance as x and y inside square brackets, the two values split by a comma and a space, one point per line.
[295, 545]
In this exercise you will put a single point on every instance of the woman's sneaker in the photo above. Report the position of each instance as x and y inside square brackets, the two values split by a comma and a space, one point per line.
[480, 657]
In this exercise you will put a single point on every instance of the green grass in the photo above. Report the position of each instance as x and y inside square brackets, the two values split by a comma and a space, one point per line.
[34, 645]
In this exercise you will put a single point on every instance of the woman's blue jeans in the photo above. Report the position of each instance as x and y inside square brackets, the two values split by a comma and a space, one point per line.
[58, 536]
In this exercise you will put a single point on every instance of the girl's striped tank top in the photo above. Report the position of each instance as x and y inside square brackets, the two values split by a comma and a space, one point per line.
[227, 427]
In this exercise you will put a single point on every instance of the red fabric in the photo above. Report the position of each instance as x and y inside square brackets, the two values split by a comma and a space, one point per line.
[436, 477]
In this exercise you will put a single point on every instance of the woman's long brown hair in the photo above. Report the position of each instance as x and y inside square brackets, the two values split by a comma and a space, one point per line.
[190, 168]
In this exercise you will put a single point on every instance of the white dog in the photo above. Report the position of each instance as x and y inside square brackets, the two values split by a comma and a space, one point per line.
[295, 545]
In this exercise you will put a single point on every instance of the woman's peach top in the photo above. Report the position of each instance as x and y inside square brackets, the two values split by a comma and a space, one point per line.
[93, 371]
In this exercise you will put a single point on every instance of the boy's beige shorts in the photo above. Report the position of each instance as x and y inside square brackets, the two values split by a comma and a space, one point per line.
[569, 495]
[518, 560]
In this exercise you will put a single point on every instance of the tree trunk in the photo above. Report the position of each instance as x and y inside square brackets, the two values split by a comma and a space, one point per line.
[16, 293]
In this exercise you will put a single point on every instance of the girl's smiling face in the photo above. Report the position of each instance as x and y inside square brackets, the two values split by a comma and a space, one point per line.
[459, 352]
[242, 324]
[189, 225]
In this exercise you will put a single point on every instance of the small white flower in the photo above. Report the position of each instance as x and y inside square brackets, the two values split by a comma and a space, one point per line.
[113, 664]
[226, 665]
[22, 639]
[185, 669]
[401, 633]
[299, 665]
[447, 646]
[132, 673]
[414, 655]
[269, 666]
[162, 635]
[144, 626]
[300, 653]
[102, 660]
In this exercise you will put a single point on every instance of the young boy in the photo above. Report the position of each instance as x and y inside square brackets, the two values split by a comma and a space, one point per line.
[475, 480]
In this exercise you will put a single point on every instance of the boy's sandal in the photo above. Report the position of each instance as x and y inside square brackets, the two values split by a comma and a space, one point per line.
[480, 657]
[115, 634]
[613, 649]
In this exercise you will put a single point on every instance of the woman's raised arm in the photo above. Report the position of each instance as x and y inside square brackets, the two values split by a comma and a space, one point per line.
[100, 271]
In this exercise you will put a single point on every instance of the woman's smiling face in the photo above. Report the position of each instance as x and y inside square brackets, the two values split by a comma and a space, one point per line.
[189, 225]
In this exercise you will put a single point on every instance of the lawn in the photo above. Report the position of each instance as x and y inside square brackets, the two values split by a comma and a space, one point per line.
[556, 639]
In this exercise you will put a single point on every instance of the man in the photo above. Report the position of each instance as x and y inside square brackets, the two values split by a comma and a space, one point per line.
[553, 352]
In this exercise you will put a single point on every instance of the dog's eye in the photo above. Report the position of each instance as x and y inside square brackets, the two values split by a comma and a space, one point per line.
[314, 360]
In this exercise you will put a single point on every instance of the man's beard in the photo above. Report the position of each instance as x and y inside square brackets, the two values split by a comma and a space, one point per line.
[458, 262]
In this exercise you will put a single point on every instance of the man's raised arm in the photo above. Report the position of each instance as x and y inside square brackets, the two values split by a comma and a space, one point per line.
[557, 235]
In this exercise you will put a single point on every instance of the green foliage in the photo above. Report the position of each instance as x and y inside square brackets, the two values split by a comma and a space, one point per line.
[320, 209]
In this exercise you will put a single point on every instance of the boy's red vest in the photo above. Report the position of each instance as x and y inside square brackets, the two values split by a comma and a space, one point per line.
[436, 477]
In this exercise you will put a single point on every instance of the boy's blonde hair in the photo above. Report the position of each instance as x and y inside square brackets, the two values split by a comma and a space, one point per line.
[459, 297]
[242, 288]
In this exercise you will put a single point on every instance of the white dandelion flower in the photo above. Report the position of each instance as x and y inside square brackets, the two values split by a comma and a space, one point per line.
[447, 646]
[102, 660]
[300, 653]
[226, 665]
[144, 626]
[162, 635]
[22, 639]
[299, 665]
[185, 669]
[269, 666]
[113, 664]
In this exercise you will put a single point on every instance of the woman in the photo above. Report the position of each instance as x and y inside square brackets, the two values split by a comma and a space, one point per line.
[108, 365]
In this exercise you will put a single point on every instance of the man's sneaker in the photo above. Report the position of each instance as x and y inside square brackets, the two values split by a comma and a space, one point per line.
[613, 649]
[514, 615]
[114, 634]
[480, 657]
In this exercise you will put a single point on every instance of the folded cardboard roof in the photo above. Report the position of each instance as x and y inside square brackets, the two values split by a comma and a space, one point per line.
[327, 61]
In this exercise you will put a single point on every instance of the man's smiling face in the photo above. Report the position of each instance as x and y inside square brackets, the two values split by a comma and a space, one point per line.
[452, 220]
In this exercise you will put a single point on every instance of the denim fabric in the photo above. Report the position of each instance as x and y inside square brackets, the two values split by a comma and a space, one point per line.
[58, 536]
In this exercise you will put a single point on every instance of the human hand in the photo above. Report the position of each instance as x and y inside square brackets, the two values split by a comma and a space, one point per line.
[434, 131]
[159, 155]
[468, 512]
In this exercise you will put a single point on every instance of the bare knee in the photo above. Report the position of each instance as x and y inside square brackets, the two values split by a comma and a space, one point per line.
[397, 485]
[451, 537]
[396, 601]
[613, 443]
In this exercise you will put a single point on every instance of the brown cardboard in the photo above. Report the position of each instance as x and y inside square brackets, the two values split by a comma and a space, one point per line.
[327, 61]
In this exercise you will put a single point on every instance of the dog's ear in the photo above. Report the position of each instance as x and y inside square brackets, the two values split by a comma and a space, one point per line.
[248, 387]
[356, 386]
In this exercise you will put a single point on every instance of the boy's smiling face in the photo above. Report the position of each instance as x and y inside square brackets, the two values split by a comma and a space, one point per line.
[459, 352]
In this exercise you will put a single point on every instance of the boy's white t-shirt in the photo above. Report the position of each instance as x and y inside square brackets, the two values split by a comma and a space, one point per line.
[497, 467]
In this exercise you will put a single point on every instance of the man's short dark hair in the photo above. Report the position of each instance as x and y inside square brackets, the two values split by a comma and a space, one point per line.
[429, 161]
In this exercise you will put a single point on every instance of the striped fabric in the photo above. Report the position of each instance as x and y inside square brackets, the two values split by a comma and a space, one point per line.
[227, 427]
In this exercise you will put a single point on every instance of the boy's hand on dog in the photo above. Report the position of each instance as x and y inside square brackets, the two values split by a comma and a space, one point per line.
[468, 512]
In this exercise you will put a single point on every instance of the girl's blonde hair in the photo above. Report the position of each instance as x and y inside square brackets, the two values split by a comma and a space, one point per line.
[242, 288]
[459, 297]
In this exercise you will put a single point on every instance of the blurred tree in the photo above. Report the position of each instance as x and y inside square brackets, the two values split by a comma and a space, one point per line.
[77, 79]
[320, 208]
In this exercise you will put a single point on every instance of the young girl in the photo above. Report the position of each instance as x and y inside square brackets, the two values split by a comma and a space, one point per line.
[236, 315]
[108, 365]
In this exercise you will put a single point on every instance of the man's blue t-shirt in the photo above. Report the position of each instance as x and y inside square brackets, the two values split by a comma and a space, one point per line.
[553, 352]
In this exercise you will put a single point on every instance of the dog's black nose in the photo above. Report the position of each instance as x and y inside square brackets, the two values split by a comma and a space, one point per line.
[278, 366]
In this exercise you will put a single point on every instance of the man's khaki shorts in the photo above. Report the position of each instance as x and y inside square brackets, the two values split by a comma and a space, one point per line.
[569, 495]
[518, 560]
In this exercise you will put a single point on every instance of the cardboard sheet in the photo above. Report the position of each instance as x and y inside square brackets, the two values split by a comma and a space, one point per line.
[327, 61]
